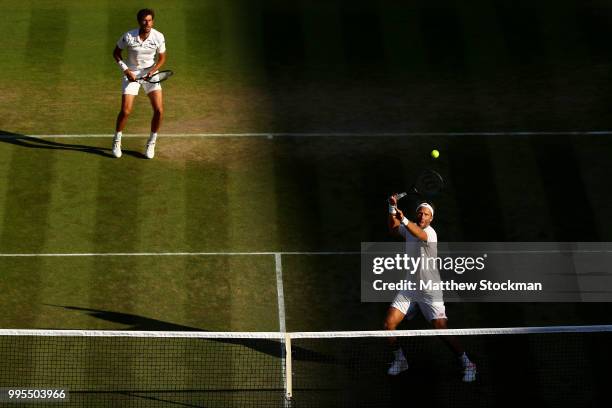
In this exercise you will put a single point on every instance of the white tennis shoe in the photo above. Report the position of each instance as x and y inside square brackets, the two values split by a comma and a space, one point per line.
[117, 148]
[150, 150]
[398, 366]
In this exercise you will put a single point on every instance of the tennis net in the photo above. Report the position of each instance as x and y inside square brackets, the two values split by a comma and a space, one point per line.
[549, 366]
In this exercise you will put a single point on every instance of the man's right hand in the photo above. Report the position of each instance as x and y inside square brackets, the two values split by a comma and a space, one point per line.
[130, 75]
[399, 214]
[393, 200]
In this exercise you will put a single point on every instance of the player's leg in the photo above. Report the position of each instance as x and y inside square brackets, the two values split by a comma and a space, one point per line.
[392, 320]
[452, 342]
[435, 312]
[129, 92]
[127, 103]
[158, 109]
[398, 310]
[155, 96]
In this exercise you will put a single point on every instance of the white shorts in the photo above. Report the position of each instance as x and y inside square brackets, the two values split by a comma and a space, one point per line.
[431, 310]
[132, 88]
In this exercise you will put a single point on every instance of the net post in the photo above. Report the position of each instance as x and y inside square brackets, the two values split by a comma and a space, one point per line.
[288, 371]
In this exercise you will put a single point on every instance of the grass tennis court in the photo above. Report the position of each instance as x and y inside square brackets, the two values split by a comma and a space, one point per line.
[173, 205]
[287, 126]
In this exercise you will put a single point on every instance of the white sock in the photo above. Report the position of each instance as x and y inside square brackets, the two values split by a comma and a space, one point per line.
[399, 354]
[152, 137]
[118, 136]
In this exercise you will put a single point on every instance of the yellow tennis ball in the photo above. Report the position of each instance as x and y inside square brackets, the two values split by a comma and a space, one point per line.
[435, 154]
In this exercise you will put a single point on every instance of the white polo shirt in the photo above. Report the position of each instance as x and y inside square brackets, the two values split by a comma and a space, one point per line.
[141, 54]
[427, 250]
[432, 236]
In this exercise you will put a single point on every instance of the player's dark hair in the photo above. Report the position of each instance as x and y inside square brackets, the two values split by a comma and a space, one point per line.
[145, 12]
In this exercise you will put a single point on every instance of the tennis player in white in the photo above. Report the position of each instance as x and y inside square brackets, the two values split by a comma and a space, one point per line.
[407, 304]
[142, 45]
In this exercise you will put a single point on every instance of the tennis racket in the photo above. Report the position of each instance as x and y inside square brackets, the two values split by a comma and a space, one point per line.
[157, 77]
[429, 183]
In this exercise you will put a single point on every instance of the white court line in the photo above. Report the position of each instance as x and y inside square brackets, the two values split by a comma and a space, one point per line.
[326, 134]
[280, 292]
[33, 255]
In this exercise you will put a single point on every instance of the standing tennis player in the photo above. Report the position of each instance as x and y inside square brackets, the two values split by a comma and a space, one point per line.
[143, 44]
[407, 303]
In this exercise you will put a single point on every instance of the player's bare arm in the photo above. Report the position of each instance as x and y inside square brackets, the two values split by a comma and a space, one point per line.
[119, 57]
[392, 221]
[415, 230]
[395, 220]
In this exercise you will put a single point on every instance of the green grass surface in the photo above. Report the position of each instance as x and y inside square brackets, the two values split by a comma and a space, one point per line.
[147, 293]
[260, 194]
[270, 65]
[275, 66]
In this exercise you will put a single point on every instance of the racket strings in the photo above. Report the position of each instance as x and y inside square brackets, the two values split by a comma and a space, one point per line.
[429, 183]
[160, 76]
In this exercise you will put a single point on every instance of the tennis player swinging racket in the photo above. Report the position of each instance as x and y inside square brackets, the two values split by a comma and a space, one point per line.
[409, 302]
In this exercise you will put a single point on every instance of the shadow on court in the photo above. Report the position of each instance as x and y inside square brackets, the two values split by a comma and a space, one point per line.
[32, 142]
[140, 323]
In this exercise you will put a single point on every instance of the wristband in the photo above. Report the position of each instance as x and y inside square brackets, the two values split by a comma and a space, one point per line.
[122, 65]
[405, 221]
[392, 209]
